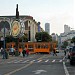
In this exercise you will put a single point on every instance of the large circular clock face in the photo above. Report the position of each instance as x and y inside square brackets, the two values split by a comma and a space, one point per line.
[15, 28]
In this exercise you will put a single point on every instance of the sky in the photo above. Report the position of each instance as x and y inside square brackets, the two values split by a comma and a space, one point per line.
[56, 12]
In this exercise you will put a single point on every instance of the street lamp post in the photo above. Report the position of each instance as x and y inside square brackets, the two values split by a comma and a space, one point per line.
[4, 42]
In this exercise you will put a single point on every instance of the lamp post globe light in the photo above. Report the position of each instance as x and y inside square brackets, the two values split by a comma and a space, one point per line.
[4, 31]
[17, 31]
[4, 25]
[22, 31]
[4, 41]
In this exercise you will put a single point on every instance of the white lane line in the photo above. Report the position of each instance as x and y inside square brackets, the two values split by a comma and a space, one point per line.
[53, 61]
[64, 58]
[65, 68]
[18, 69]
[46, 60]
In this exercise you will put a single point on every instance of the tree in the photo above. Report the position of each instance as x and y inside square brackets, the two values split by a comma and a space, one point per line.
[24, 38]
[73, 40]
[43, 37]
[15, 39]
[65, 43]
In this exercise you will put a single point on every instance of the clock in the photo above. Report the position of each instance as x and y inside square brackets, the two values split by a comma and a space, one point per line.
[15, 28]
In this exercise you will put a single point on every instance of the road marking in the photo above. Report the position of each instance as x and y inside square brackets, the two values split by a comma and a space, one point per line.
[39, 60]
[18, 61]
[12, 61]
[41, 57]
[39, 71]
[46, 60]
[60, 61]
[65, 68]
[53, 61]
[67, 60]
[18, 69]
[32, 61]
[64, 57]
[25, 61]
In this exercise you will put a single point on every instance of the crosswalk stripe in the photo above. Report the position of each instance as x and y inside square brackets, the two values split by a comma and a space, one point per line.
[12, 61]
[18, 61]
[46, 60]
[32, 61]
[25, 61]
[39, 60]
[53, 61]
[60, 60]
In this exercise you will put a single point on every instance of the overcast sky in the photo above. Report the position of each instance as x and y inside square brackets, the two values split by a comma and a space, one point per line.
[55, 12]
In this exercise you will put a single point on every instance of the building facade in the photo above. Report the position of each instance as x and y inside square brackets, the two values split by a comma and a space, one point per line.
[47, 27]
[29, 25]
[66, 28]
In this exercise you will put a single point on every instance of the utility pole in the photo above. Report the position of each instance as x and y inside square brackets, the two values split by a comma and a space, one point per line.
[4, 41]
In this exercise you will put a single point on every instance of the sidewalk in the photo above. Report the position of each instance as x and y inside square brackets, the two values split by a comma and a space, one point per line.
[14, 57]
[10, 57]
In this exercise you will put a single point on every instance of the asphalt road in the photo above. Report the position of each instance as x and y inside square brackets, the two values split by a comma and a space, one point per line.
[37, 64]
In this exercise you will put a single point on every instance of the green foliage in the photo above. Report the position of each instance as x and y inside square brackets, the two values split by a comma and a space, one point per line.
[12, 39]
[23, 38]
[43, 37]
[65, 43]
[73, 40]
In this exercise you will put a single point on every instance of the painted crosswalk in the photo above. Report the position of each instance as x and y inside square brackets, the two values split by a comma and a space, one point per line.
[37, 61]
[22, 61]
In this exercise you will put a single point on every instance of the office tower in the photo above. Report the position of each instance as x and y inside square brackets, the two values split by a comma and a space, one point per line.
[47, 27]
[38, 26]
[66, 28]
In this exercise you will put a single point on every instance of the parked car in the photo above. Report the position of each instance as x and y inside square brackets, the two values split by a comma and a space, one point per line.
[72, 55]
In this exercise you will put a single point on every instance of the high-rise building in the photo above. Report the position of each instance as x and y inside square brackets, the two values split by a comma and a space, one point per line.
[66, 28]
[47, 27]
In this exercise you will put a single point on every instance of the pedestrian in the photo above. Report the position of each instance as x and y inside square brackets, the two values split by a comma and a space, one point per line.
[65, 52]
[12, 51]
[20, 52]
[24, 52]
[54, 52]
[2, 53]
[27, 52]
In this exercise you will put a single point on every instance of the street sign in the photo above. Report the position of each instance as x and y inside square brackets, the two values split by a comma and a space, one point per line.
[2, 30]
